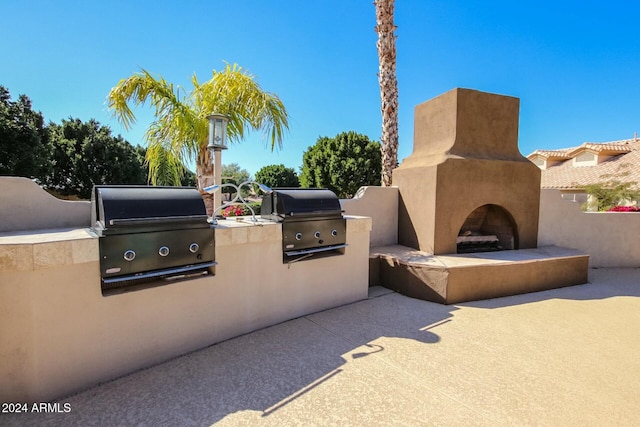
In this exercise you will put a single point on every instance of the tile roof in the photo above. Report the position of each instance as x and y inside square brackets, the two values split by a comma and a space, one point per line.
[617, 147]
[624, 166]
[552, 154]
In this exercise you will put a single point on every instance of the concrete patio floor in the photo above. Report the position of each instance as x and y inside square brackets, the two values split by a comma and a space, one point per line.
[569, 356]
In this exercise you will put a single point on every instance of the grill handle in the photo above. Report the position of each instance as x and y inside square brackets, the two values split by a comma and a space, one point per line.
[132, 222]
[161, 273]
[315, 250]
[314, 214]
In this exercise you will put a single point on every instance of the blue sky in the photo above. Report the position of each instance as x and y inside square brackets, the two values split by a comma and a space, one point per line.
[573, 64]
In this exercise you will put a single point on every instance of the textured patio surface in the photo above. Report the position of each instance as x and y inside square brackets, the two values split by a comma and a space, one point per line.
[565, 357]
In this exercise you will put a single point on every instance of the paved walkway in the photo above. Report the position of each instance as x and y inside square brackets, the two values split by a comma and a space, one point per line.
[556, 358]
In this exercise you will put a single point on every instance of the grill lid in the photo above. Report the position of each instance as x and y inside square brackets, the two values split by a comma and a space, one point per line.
[117, 206]
[300, 202]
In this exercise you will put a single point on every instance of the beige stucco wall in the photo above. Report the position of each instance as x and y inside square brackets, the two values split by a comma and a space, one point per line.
[610, 238]
[25, 206]
[58, 334]
[381, 205]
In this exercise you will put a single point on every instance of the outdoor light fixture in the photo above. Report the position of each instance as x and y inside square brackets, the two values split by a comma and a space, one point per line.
[217, 132]
[217, 143]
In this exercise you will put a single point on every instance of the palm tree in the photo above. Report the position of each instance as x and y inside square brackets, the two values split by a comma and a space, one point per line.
[388, 87]
[180, 130]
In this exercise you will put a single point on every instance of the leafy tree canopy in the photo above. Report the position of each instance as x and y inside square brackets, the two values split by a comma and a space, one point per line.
[24, 144]
[234, 174]
[277, 176]
[342, 164]
[85, 153]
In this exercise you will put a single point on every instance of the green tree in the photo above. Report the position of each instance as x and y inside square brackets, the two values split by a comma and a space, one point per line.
[188, 180]
[234, 174]
[342, 164]
[277, 176]
[179, 132]
[24, 142]
[86, 154]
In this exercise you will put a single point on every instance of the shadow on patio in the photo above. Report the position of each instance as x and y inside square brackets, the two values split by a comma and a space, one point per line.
[567, 356]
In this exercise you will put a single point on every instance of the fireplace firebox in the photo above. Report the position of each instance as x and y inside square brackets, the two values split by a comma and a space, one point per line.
[488, 228]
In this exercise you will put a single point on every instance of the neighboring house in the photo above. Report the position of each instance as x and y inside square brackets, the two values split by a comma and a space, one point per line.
[571, 169]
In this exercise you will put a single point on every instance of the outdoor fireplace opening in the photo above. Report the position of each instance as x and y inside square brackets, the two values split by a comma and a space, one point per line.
[488, 228]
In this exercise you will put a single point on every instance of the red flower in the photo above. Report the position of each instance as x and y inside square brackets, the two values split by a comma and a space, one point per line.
[624, 209]
[233, 210]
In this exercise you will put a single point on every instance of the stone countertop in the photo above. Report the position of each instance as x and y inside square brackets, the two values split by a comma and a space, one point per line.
[45, 236]
[36, 249]
[32, 250]
[240, 230]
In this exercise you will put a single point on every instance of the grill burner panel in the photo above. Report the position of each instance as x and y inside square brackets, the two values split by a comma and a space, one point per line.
[312, 221]
[130, 254]
[151, 233]
[300, 237]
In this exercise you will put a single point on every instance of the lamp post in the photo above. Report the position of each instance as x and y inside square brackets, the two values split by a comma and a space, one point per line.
[217, 143]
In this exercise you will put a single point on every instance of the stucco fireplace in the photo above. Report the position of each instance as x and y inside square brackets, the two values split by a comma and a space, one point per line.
[469, 206]
[466, 173]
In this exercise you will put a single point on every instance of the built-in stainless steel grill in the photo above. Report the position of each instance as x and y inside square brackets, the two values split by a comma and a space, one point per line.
[148, 234]
[312, 221]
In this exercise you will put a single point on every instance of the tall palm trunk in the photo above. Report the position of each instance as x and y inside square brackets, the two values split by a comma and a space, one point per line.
[388, 87]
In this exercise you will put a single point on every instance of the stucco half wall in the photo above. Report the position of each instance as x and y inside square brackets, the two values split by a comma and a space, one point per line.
[26, 206]
[381, 205]
[59, 334]
[610, 238]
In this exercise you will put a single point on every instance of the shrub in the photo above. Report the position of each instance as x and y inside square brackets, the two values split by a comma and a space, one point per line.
[342, 164]
[277, 176]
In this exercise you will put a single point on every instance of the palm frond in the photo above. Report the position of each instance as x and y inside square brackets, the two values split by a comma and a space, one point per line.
[235, 92]
[165, 168]
[180, 128]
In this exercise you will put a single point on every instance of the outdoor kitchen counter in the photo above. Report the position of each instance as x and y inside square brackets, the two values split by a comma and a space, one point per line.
[59, 334]
[34, 249]
[30, 250]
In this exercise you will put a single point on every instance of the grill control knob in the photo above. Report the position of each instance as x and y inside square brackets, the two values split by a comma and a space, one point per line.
[298, 236]
[129, 255]
[334, 233]
[316, 234]
[163, 251]
[193, 248]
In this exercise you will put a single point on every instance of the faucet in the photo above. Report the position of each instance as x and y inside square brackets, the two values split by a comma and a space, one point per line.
[238, 199]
